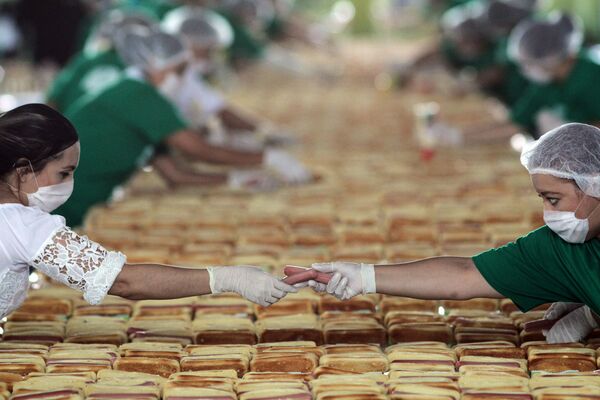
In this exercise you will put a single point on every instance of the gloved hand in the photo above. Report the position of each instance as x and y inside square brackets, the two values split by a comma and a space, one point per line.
[254, 180]
[290, 169]
[251, 282]
[560, 309]
[348, 280]
[573, 327]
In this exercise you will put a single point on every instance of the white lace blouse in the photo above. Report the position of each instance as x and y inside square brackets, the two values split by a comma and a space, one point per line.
[31, 237]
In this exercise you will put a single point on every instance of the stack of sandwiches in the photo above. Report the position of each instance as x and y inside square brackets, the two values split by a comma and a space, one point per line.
[300, 357]
[111, 306]
[212, 329]
[421, 357]
[353, 327]
[286, 328]
[412, 326]
[223, 304]
[36, 332]
[223, 357]
[160, 329]
[96, 329]
[173, 351]
[51, 387]
[552, 358]
[483, 329]
[113, 384]
[74, 357]
[348, 387]
[172, 309]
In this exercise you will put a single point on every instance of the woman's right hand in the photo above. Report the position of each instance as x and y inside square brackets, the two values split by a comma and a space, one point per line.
[250, 282]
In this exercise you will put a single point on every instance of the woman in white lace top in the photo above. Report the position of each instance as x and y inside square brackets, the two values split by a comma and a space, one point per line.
[39, 152]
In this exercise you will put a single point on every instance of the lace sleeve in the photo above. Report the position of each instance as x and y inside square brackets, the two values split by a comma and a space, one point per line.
[79, 263]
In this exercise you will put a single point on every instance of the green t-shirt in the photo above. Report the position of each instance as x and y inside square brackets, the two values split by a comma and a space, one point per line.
[245, 45]
[485, 60]
[156, 8]
[542, 268]
[86, 73]
[514, 83]
[118, 128]
[574, 99]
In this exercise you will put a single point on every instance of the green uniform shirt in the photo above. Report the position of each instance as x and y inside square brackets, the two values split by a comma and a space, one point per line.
[118, 128]
[156, 8]
[542, 268]
[485, 60]
[87, 73]
[514, 83]
[245, 45]
[575, 99]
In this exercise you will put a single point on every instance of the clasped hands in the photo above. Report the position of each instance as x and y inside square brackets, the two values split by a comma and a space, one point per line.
[344, 280]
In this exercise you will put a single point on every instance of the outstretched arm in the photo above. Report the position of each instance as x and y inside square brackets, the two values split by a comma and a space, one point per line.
[454, 278]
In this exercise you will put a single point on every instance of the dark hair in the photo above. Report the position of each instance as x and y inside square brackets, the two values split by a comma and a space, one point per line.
[34, 133]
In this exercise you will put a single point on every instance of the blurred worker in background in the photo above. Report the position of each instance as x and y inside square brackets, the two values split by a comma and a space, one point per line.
[122, 125]
[561, 73]
[208, 36]
[99, 64]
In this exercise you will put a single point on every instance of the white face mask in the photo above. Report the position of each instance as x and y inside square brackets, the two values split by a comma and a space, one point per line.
[49, 198]
[566, 225]
[170, 86]
[536, 74]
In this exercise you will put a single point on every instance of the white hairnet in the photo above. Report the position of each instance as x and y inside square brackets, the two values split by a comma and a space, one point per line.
[151, 51]
[571, 151]
[262, 10]
[551, 40]
[464, 22]
[201, 27]
[118, 19]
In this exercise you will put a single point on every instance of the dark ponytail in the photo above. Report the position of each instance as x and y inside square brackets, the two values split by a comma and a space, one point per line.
[35, 133]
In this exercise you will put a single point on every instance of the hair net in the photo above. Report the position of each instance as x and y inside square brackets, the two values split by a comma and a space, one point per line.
[118, 19]
[551, 40]
[151, 51]
[464, 22]
[247, 10]
[501, 16]
[571, 151]
[201, 27]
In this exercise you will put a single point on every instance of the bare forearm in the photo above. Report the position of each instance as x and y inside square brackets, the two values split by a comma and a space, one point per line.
[175, 174]
[196, 148]
[154, 281]
[234, 120]
[434, 278]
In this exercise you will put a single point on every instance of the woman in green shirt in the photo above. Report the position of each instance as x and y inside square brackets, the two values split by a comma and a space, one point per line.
[559, 262]
[121, 127]
[563, 76]
[97, 66]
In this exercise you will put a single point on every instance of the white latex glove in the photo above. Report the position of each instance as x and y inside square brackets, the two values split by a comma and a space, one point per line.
[558, 310]
[348, 280]
[290, 169]
[573, 327]
[251, 180]
[250, 282]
